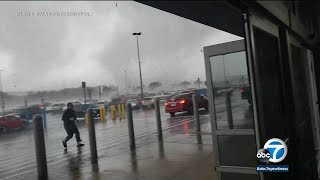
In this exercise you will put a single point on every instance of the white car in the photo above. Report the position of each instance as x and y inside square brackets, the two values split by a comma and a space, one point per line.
[162, 98]
[147, 102]
[134, 103]
[56, 107]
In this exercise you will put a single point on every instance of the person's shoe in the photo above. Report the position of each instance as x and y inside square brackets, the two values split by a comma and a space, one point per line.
[80, 145]
[64, 144]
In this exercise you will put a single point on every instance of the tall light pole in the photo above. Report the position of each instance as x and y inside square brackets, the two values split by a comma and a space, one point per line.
[125, 81]
[137, 35]
[2, 97]
[83, 84]
[99, 93]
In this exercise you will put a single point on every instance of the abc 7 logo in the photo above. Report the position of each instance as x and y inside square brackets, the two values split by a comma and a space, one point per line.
[263, 155]
[274, 150]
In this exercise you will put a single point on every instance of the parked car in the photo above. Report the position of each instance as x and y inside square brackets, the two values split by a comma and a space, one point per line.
[80, 110]
[77, 102]
[134, 103]
[245, 92]
[162, 98]
[200, 92]
[10, 122]
[115, 101]
[100, 104]
[55, 107]
[183, 103]
[93, 101]
[147, 103]
[28, 112]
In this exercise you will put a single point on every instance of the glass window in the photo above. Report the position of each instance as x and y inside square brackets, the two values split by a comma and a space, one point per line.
[232, 95]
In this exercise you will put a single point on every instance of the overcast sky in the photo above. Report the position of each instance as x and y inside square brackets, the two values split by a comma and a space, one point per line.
[54, 52]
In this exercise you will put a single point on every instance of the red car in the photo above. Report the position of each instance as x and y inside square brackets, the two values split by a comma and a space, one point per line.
[11, 122]
[183, 102]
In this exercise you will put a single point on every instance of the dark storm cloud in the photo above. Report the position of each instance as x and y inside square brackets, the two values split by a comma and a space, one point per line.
[56, 52]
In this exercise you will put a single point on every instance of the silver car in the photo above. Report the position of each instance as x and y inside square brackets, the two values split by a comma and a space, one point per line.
[147, 102]
[134, 103]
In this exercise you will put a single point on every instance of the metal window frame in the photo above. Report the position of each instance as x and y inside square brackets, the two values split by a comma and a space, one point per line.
[313, 96]
[216, 50]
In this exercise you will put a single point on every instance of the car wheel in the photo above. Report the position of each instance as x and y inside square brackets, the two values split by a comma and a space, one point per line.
[172, 114]
[4, 129]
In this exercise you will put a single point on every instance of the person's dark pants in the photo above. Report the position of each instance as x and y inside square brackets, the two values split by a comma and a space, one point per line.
[72, 129]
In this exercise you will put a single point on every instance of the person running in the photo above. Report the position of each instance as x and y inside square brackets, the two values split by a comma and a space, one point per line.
[69, 118]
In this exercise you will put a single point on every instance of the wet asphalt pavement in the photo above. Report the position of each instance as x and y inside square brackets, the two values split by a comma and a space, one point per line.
[17, 151]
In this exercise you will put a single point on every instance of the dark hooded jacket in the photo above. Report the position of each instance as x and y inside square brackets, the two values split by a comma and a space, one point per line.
[67, 114]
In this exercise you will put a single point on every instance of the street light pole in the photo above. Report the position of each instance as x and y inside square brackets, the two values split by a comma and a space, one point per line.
[125, 81]
[2, 97]
[138, 34]
[99, 93]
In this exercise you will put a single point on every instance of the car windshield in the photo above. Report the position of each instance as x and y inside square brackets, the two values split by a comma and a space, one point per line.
[92, 105]
[147, 98]
[76, 103]
[13, 118]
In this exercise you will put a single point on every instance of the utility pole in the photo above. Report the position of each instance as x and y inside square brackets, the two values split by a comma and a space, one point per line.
[2, 97]
[141, 87]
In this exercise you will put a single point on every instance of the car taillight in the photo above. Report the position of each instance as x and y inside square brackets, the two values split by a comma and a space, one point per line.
[182, 101]
[241, 90]
[166, 104]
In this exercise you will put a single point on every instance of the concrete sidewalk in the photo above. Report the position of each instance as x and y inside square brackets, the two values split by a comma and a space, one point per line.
[178, 158]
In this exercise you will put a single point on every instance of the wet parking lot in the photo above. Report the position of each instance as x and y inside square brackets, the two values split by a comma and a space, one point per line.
[17, 151]
[17, 158]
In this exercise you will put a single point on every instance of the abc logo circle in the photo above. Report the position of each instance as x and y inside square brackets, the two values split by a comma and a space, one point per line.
[263, 155]
[277, 148]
